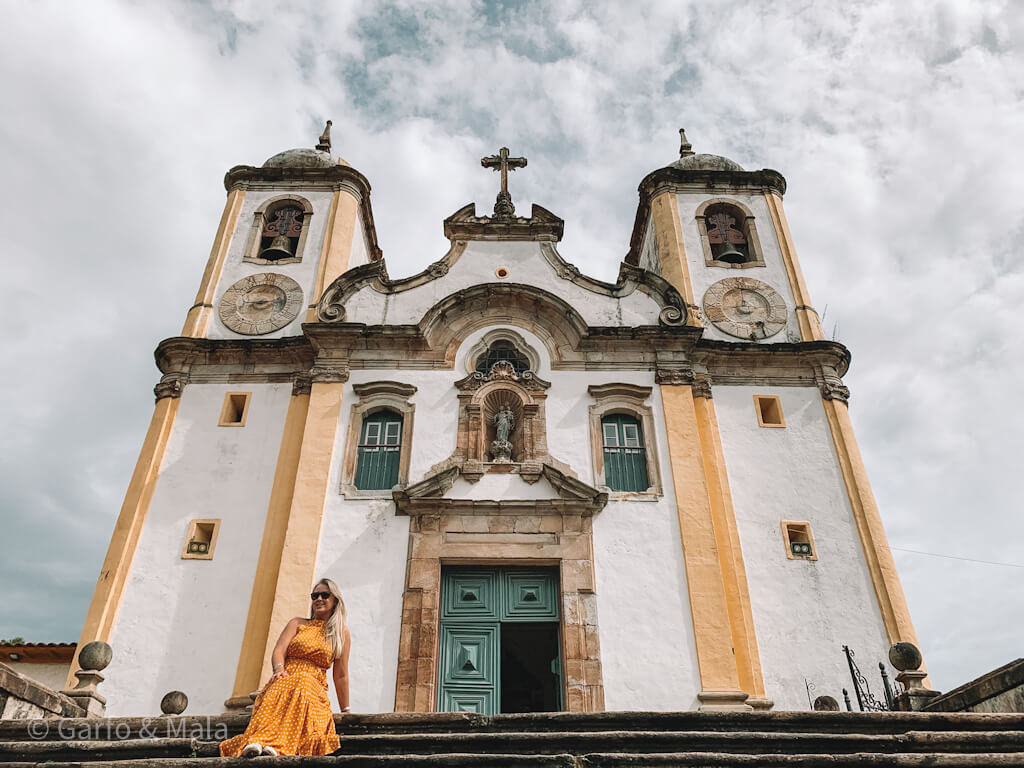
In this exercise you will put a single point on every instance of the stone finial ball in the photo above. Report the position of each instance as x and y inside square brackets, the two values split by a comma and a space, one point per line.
[905, 657]
[95, 655]
[173, 703]
[826, 704]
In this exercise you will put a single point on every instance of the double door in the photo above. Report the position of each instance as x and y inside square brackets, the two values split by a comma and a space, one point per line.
[500, 650]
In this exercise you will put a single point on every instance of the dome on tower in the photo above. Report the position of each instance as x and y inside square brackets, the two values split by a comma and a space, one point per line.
[688, 161]
[303, 157]
[705, 162]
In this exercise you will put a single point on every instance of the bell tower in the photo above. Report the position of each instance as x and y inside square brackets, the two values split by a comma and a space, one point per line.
[288, 229]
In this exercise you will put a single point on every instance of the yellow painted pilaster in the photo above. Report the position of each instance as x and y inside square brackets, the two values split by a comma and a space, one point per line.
[106, 599]
[198, 319]
[810, 325]
[730, 555]
[709, 605]
[886, 581]
[253, 665]
[668, 233]
[305, 515]
[337, 249]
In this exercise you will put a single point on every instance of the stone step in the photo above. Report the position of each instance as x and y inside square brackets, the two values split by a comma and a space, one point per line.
[222, 726]
[635, 742]
[590, 760]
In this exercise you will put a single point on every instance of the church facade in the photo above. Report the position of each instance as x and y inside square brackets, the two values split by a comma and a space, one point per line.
[538, 491]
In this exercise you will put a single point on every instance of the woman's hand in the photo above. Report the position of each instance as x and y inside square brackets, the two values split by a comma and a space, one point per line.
[279, 673]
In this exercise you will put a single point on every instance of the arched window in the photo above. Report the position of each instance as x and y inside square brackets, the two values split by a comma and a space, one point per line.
[728, 235]
[625, 458]
[279, 230]
[380, 449]
[725, 234]
[502, 350]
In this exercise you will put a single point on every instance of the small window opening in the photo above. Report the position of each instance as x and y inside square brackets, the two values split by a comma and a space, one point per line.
[769, 411]
[726, 236]
[202, 536]
[235, 410]
[501, 272]
[799, 542]
[502, 351]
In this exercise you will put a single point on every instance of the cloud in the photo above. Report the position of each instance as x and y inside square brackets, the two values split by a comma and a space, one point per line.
[896, 124]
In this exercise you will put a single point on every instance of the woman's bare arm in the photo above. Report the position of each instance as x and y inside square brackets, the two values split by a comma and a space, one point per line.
[340, 674]
[277, 655]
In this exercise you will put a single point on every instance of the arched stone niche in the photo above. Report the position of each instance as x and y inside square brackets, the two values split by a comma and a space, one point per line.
[481, 396]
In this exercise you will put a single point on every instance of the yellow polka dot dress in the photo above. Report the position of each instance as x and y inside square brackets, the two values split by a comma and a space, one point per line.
[292, 713]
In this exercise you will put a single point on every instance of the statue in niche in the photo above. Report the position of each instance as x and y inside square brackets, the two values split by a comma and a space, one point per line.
[501, 446]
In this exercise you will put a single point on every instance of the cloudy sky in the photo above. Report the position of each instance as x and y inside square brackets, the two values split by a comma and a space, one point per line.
[898, 126]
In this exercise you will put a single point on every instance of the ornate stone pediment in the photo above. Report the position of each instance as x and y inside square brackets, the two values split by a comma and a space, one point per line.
[502, 371]
[542, 224]
[428, 497]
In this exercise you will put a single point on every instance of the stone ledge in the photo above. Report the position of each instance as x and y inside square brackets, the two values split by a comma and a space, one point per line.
[13, 685]
[997, 682]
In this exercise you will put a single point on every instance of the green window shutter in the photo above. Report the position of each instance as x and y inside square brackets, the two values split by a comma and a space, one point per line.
[625, 460]
[380, 449]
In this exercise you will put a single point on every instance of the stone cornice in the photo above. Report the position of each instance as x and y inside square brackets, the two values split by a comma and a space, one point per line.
[677, 180]
[542, 224]
[677, 354]
[333, 178]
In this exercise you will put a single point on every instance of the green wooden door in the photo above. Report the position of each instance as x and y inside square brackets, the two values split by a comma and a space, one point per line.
[475, 602]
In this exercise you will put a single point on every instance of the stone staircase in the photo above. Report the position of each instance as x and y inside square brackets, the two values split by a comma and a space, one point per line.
[648, 739]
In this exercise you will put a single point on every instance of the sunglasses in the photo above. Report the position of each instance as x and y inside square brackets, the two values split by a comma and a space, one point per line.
[321, 595]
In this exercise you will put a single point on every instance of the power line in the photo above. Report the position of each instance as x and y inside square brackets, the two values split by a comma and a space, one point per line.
[954, 557]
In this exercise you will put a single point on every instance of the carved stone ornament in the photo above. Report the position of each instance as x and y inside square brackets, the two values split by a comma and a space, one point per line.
[261, 303]
[745, 308]
[834, 389]
[328, 373]
[702, 386]
[171, 385]
[302, 385]
[502, 371]
[674, 376]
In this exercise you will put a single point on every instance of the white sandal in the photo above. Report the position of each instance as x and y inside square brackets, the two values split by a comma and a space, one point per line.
[252, 750]
[269, 752]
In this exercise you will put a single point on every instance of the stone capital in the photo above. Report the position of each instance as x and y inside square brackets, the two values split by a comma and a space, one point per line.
[674, 376]
[834, 389]
[171, 385]
[329, 372]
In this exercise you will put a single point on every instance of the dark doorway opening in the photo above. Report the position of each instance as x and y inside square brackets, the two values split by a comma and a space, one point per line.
[530, 667]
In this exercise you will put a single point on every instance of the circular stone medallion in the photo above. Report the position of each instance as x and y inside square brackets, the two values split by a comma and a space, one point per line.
[745, 308]
[260, 304]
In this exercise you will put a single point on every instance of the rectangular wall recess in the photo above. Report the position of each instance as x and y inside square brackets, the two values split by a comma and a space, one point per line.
[235, 409]
[200, 540]
[799, 540]
[769, 411]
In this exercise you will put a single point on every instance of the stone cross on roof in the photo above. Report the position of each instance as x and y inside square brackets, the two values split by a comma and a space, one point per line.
[503, 208]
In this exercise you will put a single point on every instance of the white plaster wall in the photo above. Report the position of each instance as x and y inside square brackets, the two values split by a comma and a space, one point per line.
[360, 253]
[649, 258]
[304, 273]
[703, 276]
[364, 544]
[477, 265]
[804, 611]
[52, 675]
[180, 623]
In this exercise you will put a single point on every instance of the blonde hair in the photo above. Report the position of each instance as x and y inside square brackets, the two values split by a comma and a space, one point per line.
[334, 628]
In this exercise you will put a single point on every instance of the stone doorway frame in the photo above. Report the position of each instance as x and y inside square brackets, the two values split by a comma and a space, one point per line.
[540, 532]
